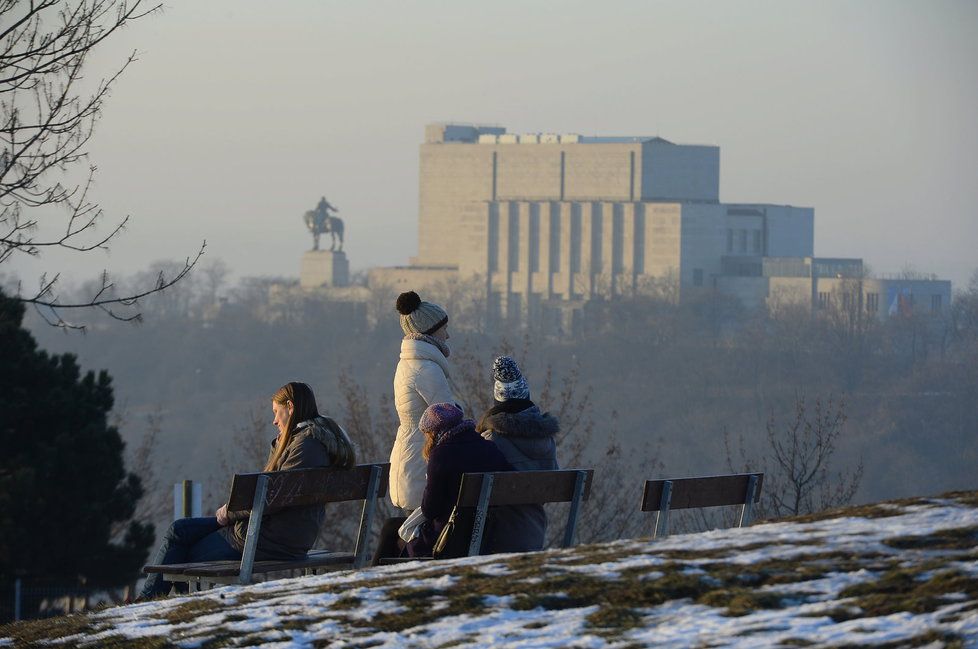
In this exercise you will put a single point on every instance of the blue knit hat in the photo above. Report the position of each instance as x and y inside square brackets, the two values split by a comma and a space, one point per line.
[509, 382]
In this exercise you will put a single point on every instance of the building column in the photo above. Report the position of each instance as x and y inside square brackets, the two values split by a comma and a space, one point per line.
[586, 287]
[566, 249]
[607, 280]
[629, 239]
[543, 255]
[523, 278]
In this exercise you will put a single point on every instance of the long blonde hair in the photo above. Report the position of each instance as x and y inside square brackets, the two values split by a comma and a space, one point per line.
[303, 407]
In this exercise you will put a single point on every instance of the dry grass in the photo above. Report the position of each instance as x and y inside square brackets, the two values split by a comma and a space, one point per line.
[915, 576]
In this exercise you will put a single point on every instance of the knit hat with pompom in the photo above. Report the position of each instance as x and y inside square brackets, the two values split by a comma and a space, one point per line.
[418, 317]
[508, 380]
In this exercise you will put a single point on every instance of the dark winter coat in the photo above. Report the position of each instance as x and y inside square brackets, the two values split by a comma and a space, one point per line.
[289, 533]
[460, 450]
[525, 437]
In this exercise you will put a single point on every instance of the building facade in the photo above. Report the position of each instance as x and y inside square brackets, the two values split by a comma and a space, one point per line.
[550, 221]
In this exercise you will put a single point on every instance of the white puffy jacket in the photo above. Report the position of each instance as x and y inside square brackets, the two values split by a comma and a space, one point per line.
[421, 379]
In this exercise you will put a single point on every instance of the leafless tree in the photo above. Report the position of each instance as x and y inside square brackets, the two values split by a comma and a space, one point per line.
[371, 426]
[799, 477]
[46, 121]
[144, 460]
[249, 446]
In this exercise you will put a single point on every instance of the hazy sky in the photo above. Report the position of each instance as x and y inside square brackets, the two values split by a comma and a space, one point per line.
[239, 115]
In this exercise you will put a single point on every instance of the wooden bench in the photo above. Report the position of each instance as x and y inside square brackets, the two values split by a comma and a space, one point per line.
[484, 490]
[662, 496]
[266, 493]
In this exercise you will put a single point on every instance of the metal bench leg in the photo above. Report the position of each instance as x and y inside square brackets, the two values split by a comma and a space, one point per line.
[747, 509]
[575, 509]
[367, 518]
[662, 516]
[479, 525]
[254, 525]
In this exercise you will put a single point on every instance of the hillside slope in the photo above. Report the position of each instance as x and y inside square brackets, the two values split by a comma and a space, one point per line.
[893, 574]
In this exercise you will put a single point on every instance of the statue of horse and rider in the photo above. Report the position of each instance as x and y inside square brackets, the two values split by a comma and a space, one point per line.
[320, 221]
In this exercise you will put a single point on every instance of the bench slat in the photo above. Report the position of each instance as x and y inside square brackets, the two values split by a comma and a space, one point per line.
[177, 568]
[305, 487]
[230, 567]
[524, 487]
[713, 491]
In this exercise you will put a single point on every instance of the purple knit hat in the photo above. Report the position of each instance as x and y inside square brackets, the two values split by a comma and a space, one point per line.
[440, 418]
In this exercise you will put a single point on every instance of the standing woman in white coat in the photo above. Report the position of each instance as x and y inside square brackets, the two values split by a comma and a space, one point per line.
[421, 379]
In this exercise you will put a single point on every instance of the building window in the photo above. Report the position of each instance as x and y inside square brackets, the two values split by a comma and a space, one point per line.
[514, 237]
[743, 241]
[575, 236]
[872, 302]
[730, 238]
[697, 277]
[617, 240]
[935, 303]
[823, 300]
[757, 242]
[596, 235]
[846, 301]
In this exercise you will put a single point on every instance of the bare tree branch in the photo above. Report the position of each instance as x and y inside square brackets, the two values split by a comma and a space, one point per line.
[46, 121]
[48, 305]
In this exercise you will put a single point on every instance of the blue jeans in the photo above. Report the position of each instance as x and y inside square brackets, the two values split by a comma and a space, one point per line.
[188, 540]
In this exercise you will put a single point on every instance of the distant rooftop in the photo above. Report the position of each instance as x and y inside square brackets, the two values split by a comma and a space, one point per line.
[484, 134]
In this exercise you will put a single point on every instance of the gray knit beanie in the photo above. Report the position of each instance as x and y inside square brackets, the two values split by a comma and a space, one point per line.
[419, 317]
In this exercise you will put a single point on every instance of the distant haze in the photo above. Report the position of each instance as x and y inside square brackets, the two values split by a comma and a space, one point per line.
[238, 116]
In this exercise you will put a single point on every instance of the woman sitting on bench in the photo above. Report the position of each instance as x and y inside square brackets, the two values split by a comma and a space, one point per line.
[525, 436]
[452, 447]
[306, 439]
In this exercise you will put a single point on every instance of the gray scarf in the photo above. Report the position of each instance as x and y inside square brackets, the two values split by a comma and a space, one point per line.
[431, 340]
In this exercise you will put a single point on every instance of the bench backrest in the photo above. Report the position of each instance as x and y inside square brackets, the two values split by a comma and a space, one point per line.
[524, 487]
[484, 490]
[691, 493]
[306, 487]
[263, 493]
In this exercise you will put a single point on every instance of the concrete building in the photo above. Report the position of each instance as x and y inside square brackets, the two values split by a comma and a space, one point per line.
[550, 221]
[832, 283]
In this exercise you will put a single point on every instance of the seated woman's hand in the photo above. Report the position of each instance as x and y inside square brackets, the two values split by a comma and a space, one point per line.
[222, 515]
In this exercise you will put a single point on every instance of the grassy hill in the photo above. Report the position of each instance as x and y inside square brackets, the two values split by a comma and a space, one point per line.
[894, 574]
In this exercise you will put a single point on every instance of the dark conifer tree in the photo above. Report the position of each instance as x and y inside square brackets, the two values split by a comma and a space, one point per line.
[64, 490]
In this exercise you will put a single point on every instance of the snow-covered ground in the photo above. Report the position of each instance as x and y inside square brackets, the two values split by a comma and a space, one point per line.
[899, 574]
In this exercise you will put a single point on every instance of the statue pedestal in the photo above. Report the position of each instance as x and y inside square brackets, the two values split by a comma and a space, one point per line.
[324, 268]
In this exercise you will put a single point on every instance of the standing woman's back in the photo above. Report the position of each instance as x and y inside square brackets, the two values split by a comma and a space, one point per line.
[421, 379]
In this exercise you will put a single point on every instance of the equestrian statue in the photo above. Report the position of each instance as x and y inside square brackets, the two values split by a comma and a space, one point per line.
[320, 221]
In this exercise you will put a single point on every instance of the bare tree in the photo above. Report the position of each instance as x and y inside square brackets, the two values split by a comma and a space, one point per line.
[250, 445]
[801, 481]
[46, 122]
[144, 459]
[371, 427]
